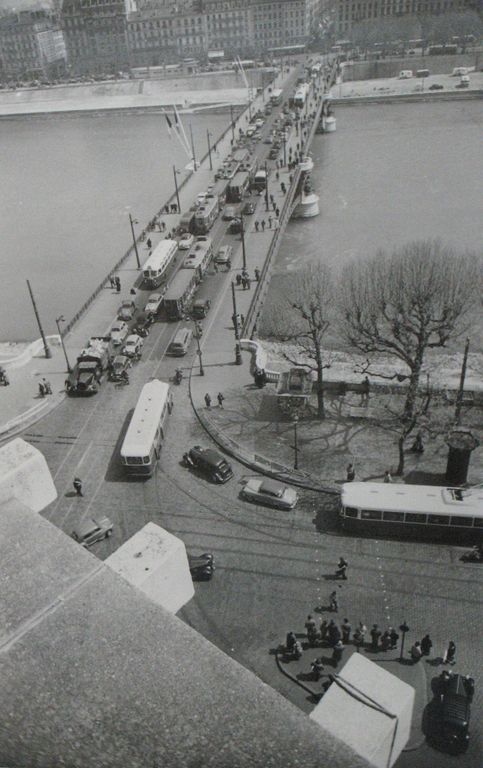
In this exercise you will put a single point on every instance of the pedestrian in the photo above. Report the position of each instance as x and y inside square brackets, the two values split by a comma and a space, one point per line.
[269, 222]
[449, 656]
[199, 328]
[283, 188]
[417, 446]
[324, 626]
[333, 633]
[207, 400]
[257, 274]
[41, 389]
[215, 267]
[426, 645]
[277, 175]
[248, 283]
[311, 629]
[257, 224]
[163, 226]
[290, 641]
[274, 206]
[277, 212]
[337, 652]
[387, 476]
[149, 243]
[77, 483]
[358, 639]
[244, 282]
[238, 279]
[166, 208]
[342, 568]
[416, 652]
[317, 668]
[118, 284]
[47, 386]
[394, 638]
[112, 281]
[350, 473]
[272, 199]
[346, 631]
[386, 640]
[228, 265]
[132, 291]
[333, 604]
[220, 397]
[263, 225]
[375, 635]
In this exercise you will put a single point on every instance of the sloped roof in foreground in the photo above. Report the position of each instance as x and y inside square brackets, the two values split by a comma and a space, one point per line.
[94, 674]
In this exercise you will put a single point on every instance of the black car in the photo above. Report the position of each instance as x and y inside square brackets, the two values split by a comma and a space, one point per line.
[273, 154]
[436, 87]
[452, 712]
[235, 226]
[202, 566]
[210, 463]
[248, 209]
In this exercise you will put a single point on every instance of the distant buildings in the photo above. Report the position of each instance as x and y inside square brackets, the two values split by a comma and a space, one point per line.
[31, 45]
[347, 13]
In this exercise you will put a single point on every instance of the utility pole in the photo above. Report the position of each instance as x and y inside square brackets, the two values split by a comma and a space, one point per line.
[459, 396]
[232, 126]
[244, 253]
[235, 314]
[208, 134]
[59, 320]
[197, 337]
[132, 222]
[193, 148]
[47, 351]
[266, 187]
[296, 444]
[175, 172]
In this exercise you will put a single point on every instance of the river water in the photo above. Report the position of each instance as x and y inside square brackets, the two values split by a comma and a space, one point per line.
[391, 173]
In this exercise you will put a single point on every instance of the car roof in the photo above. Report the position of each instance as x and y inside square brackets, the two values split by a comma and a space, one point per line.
[272, 487]
[209, 454]
[120, 359]
[132, 338]
[85, 527]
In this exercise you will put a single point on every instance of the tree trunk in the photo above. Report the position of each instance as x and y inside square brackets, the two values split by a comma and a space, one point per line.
[320, 387]
[400, 445]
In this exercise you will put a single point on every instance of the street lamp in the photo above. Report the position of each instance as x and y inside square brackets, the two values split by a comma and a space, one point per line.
[295, 444]
[285, 147]
[235, 314]
[59, 320]
[232, 125]
[197, 337]
[193, 148]
[404, 629]
[47, 350]
[175, 172]
[244, 254]
[266, 187]
[208, 134]
[132, 223]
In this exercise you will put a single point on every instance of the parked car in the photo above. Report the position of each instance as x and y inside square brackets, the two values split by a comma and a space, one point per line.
[202, 566]
[230, 212]
[119, 367]
[273, 154]
[210, 463]
[224, 255]
[269, 492]
[119, 331]
[268, 139]
[92, 530]
[449, 728]
[436, 87]
[235, 226]
[154, 304]
[248, 208]
[186, 241]
[133, 346]
[127, 310]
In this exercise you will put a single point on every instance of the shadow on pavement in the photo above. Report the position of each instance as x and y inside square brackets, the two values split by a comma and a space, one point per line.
[115, 473]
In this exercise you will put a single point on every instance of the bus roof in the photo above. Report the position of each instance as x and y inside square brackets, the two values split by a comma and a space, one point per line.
[207, 207]
[277, 92]
[161, 255]
[145, 419]
[427, 499]
[239, 179]
[179, 284]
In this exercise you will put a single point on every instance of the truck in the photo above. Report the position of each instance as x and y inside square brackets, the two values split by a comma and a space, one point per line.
[90, 367]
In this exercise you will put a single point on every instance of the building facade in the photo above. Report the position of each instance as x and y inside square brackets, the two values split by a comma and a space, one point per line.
[350, 12]
[31, 45]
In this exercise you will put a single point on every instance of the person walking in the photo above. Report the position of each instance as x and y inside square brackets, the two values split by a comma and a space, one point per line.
[220, 397]
[277, 212]
[263, 225]
[112, 281]
[248, 283]
[386, 640]
[426, 645]
[346, 631]
[118, 284]
[387, 476]
[290, 641]
[269, 222]
[208, 400]
[244, 282]
[350, 473]
[311, 629]
[416, 652]
[257, 224]
[149, 243]
[77, 483]
[450, 654]
[257, 274]
[342, 569]
[42, 392]
[333, 633]
[47, 386]
[324, 626]
[238, 279]
[394, 638]
[333, 604]
[337, 652]
[375, 635]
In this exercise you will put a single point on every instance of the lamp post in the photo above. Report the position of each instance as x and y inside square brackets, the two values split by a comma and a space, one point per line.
[208, 134]
[59, 320]
[285, 148]
[404, 629]
[235, 314]
[175, 173]
[47, 351]
[266, 187]
[295, 443]
[197, 337]
[244, 253]
[132, 223]
[232, 125]
[193, 148]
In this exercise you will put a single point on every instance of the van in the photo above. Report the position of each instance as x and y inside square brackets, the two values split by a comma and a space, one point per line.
[201, 303]
[422, 73]
[179, 345]
[224, 255]
[464, 81]
[405, 74]
[458, 71]
[211, 463]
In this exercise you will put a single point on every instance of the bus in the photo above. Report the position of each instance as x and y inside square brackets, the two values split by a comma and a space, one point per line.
[260, 180]
[300, 96]
[206, 215]
[155, 268]
[277, 96]
[142, 443]
[180, 290]
[422, 511]
[238, 188]
[242, 158]
[199, 256]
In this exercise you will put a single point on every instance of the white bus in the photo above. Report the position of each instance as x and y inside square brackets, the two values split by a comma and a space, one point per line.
[277, 96]
[423, 511]
[142, 443]
[206, 215]
[155, 268]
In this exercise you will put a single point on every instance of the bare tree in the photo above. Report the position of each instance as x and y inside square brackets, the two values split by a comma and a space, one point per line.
[405, 303]
[303, 317]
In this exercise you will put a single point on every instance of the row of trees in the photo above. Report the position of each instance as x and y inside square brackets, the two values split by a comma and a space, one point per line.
[399, 304]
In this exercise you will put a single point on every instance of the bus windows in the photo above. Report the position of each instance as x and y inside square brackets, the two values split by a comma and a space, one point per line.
[371, 514]
[478, 522]
[414, 517]
[351, 511]
[394, 517]
[467, 522]
[438, 520]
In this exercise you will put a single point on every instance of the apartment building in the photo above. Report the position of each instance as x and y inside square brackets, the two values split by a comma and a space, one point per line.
[31, 45]
[350, 12]
[277, 24]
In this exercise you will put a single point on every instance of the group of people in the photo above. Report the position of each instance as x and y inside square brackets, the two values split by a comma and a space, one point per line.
[220, 397]
[115, 283]
[45, 387]
[4, 380]
[273, 222]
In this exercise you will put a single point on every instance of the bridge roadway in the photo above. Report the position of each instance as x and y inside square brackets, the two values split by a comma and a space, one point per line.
[271, 565]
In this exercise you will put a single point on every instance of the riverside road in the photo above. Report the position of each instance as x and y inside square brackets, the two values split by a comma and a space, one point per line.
[273, 567]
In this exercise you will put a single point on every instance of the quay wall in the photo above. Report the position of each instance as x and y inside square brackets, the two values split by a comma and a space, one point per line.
[437, 65]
